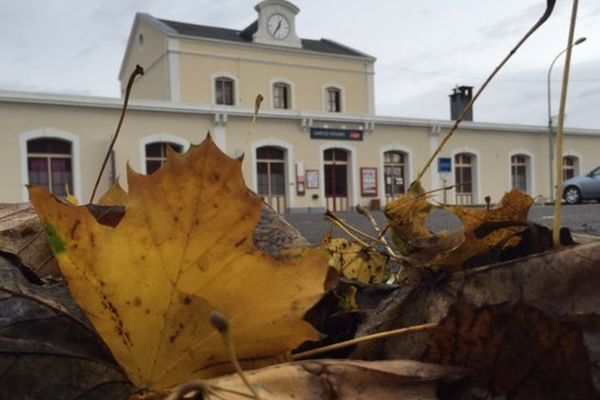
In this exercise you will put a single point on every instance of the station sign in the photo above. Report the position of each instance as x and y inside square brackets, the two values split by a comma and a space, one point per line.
[444, 164]
[336, 134]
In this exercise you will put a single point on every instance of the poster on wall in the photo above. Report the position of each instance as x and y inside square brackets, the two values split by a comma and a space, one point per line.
[312, 179]
[368, 181]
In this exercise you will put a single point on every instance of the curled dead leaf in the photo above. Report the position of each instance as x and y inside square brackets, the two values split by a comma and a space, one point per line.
[338, 379]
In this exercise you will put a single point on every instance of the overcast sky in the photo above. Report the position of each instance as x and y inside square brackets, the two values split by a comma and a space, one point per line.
[423, 48]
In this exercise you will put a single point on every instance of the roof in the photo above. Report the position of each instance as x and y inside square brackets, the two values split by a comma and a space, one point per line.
[245, 36]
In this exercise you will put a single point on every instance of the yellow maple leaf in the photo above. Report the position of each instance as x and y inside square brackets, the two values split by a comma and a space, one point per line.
[485, 230]
[355, 262]
[114, 196]
[183, 249]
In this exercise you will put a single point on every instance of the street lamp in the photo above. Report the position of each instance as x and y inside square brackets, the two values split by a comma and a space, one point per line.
[550, 128]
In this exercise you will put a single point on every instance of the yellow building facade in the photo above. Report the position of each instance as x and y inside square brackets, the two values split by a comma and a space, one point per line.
[317, 144]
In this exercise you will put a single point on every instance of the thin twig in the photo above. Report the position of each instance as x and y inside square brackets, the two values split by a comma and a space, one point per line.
[362, 339]
[138, 71]
[352, 231]
[363, 211]
[560, 132]
[549, 8]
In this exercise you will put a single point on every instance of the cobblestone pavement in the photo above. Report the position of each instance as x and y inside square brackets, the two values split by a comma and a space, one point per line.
[581, 218]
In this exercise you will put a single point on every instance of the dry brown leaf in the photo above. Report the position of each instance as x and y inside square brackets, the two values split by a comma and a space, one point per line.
[47, 348]
[342, 379]
[562, 284]
[514, 350]
[183, 249]
[407, 215]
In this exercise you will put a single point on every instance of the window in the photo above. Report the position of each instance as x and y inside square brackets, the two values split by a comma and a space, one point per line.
[334, 99]
[394, 173]
[156, 155]
[224, 93]
[463, 178]
[281, 95]
[519, 170]
[570, 167]
[49, 164]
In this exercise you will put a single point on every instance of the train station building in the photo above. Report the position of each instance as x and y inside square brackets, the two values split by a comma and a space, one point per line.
[318, 142]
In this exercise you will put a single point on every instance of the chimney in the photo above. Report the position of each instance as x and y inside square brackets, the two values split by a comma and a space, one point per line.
[460, 97]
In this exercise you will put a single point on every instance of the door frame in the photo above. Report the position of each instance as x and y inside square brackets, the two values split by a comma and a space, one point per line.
[290, 175]
[352, 172]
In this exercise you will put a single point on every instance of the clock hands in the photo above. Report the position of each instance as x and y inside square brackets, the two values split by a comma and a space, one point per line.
[277, 28]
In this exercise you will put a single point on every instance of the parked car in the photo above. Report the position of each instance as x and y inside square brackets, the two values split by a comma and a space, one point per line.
[585, 187]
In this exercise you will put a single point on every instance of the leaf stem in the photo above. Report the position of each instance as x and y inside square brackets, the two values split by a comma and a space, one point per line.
[560, 131]
[138, 71]
[544, 17]
[362, 339]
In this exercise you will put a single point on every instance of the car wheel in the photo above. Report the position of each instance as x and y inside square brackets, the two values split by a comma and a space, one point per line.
[572, 195]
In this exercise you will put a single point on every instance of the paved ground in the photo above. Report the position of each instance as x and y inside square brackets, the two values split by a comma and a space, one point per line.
[582, 218]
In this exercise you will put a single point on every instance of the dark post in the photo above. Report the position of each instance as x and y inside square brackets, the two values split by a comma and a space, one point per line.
[460, 97]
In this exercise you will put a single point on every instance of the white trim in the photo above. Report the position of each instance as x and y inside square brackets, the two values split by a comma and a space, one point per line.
[342, 90]
[409, 172]
[55, 134]
[7, 96]
[530, 172]
[579, 157]
[292, 94]
[434, 139]
[371, 89]
[290, 189]
[354, 188]
[213, 89]
[159, 137]
[475, 185]
[277, 48]
[174, 70]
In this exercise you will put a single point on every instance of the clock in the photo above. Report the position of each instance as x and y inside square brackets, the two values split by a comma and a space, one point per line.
[278, 26]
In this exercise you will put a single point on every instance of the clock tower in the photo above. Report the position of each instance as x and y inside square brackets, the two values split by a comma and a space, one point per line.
[277, 23]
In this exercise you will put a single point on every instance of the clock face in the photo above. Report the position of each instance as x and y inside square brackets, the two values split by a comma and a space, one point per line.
[278, 26]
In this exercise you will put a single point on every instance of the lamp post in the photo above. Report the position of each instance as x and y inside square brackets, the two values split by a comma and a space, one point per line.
[550, 128]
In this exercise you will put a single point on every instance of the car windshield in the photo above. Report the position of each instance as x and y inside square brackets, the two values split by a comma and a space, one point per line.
[595, 172]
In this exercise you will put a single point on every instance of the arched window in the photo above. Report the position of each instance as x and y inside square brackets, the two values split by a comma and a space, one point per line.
[570, 167]
[270, 174]
[464, 176]
[156, 155]
[520, 171]
[49, 164]
[333, 98]
[394, 173]
[224, 91]
[281, 95]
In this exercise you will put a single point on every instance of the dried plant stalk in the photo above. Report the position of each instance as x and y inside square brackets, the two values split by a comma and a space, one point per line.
[560, 132]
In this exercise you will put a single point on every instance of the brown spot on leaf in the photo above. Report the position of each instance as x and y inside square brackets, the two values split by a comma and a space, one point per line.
[74, 229]
[187, 301]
